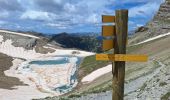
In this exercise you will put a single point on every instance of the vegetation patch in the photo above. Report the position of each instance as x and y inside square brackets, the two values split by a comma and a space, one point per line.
[106, 86]
[143, 87]
[133, 48]
[157, 80]
[162, 84]
[166, 96]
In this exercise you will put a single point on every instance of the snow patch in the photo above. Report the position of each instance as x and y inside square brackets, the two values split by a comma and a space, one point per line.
[154, 38]
[1, 38]
[19, 52]
[97, 73]
[7, 48]
[22, 34]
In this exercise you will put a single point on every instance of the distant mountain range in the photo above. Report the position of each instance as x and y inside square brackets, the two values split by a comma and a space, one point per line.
[83, 41]
[86, 42]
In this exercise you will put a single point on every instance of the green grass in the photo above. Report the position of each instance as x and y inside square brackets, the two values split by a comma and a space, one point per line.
[158, 80]
[97, 89]
[74, 95]
[130, 49]
[100, 88]
[90, 64]
[156, 63]
[166, 96]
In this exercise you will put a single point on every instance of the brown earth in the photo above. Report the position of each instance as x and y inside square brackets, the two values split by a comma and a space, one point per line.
[7, 82]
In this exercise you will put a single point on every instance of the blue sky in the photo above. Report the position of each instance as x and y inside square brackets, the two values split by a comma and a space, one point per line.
[55, 16]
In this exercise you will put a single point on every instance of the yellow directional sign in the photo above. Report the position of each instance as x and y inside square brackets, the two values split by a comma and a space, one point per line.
[107, 44]
[121, 57]
[108, 19]
[104, 57]
[108, 30]
[128, 57]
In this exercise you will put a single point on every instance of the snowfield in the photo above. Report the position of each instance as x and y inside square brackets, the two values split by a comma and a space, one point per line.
[7, 48]
[17, 33]
[19, 52]
[154, 38]
[97, 73]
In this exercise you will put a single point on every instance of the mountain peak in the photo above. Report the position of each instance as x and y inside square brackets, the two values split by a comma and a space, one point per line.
[160, 24]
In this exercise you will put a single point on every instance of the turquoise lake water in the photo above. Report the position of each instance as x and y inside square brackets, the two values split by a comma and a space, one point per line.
[50, 62]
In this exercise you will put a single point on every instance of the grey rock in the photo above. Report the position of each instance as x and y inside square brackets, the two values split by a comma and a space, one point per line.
[25, 43]
[20, 41]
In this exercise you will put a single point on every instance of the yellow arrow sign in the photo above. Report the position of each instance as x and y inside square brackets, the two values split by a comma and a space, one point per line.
[108, 19]
[108, 30]
[121, 57]
[107, 44]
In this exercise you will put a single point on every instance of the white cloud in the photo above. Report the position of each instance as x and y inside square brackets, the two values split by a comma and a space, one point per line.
[69, 7]
[38, 15]
[77, 11]
[58, 25]
[70, 13]
[93, 19]
[144, 10]
[139, 25]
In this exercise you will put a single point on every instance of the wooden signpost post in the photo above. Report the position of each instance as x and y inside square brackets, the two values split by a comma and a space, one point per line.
[119, 31]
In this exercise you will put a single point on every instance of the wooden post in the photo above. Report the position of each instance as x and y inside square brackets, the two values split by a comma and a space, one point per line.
[119, 55]
[120, 48]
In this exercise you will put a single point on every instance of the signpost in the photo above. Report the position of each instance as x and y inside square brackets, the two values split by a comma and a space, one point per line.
[119, 31]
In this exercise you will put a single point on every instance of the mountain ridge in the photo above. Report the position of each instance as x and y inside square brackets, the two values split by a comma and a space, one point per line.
[82, 42]
[158, 25]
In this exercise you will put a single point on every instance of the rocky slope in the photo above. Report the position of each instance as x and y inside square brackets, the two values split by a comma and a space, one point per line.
[160, 24]
[28, 41]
